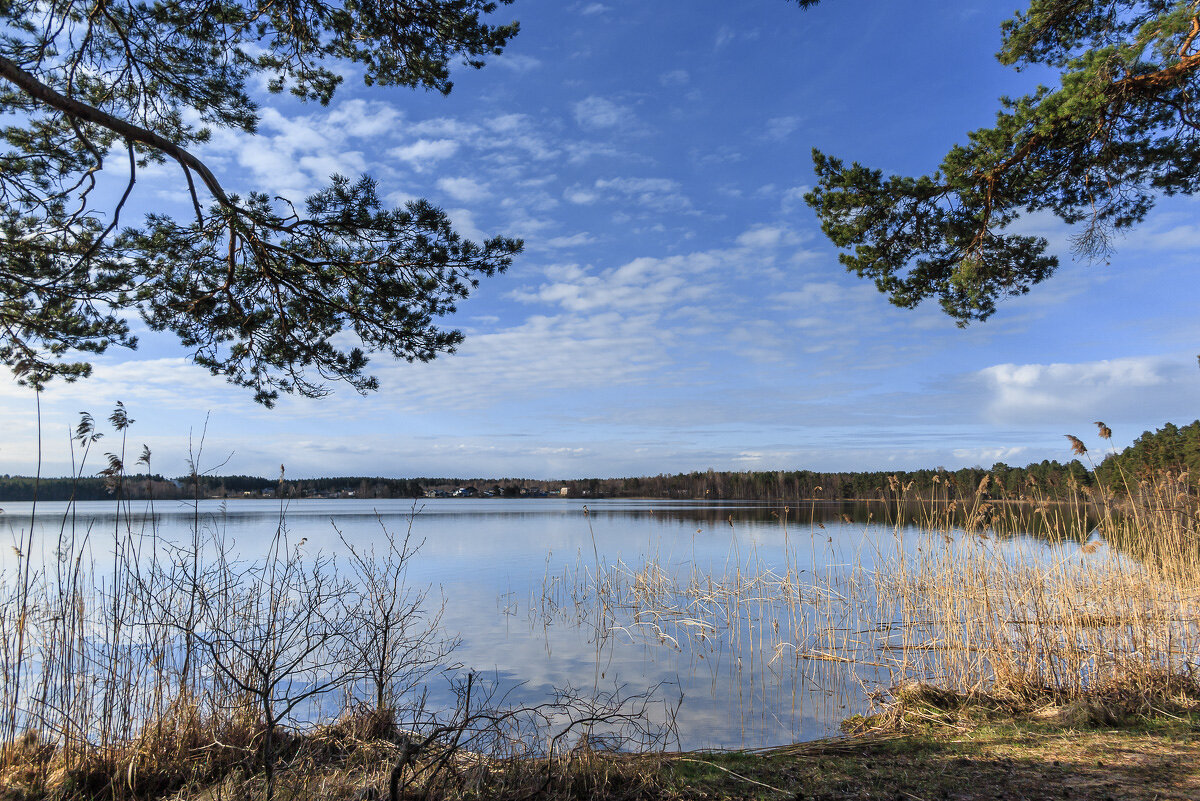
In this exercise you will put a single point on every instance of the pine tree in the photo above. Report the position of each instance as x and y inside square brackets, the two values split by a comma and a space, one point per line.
[1121, 129]
[257, 288]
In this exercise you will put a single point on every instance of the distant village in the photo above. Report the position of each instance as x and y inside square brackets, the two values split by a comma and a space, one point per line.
[143, 487]
[523, 492]
[439, 492]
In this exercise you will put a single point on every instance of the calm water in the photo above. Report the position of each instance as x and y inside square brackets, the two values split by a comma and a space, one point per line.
[510, 571]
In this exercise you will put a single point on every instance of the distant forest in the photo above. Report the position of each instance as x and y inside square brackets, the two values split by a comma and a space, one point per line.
[1171, 448]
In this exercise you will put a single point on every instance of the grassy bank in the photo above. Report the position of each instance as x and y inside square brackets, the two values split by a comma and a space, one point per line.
[977, 751]
[928, 745]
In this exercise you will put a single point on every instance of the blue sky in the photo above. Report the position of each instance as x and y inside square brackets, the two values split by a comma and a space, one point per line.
[676, 307]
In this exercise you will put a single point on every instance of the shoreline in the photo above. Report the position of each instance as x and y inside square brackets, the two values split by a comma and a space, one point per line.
[926, 745]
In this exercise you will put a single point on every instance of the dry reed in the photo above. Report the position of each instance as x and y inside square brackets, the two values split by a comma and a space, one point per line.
[972, 593]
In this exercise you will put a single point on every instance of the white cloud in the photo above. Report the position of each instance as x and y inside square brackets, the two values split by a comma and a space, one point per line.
[725, 154]
[528, 226]
[424, 153]
[816, 293]
[349, 163]
[545, 353]
[1075, 394]
[986, 457]
[675, 78]
[508, 123]
[780, 128]
[1164, 236]
[464, 190]
[398, 198]
[443, 128]
[793, 198]
[517, 62]
[516, 132]
[659, 286]
[148, 388]
[767, 236]
[760, 341]
[364, 118]
[593, 8]
[575, 240]
[465, 225]
[293, 155]
[583, 151]
[580, 196]
[632, 186]
[1181, 237]
[657, 194]
[601, 113]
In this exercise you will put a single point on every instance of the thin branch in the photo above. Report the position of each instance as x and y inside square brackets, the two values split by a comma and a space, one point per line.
[13, 73]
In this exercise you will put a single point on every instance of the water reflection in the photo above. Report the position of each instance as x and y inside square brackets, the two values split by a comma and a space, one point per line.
[524, 583]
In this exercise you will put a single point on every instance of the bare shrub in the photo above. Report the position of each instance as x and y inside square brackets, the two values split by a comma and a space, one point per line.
[392, 627]
[487, 748]
[274, 630]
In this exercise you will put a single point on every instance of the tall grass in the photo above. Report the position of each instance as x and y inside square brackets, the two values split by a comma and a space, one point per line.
[1094, 594]
[135, 666]
[131, 665]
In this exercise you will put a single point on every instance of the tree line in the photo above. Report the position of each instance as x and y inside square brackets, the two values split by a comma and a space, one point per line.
[782, 485]
[1172, 448]
[147, 487]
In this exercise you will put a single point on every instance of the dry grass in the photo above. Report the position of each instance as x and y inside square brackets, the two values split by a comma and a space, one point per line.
[1103, 601]
[975, 752]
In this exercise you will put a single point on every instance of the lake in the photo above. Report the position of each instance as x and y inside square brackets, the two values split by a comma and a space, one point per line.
[604, 594]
